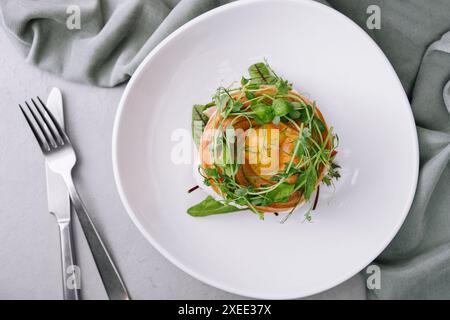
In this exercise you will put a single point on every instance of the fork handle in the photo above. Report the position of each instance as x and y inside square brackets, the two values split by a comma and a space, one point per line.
[70, 276]
[109, 274]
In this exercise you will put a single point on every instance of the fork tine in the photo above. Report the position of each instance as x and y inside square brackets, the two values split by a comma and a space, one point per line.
[42, 125]
[42, 142]
[61, 132]
[49, 124]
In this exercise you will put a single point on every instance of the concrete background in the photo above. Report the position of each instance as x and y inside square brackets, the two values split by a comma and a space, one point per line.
[29, 244]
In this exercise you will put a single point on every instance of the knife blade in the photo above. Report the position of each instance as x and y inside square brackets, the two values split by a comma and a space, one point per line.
[57, 194]
[59, 205]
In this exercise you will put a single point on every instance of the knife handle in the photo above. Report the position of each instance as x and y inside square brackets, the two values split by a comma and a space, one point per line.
[114, 286]
[70, 272]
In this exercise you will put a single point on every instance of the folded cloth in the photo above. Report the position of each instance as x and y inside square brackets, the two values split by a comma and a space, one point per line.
[414, 36]
[111, 39]
[416, 265]
[115, 36]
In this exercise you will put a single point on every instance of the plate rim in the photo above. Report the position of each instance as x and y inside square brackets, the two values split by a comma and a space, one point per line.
[217, 284]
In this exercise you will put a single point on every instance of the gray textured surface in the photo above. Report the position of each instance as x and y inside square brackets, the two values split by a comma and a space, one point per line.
[29, 245]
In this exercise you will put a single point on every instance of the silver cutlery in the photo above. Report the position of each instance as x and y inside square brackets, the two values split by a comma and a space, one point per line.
[59, 206]
[60, 157]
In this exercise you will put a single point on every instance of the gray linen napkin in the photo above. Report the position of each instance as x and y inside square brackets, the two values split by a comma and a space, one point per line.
[112, 38]
[414, 36]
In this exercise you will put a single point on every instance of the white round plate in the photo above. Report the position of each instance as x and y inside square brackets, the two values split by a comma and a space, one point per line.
[330, 59]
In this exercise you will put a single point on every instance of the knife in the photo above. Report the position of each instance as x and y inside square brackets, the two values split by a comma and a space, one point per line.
[59, 205]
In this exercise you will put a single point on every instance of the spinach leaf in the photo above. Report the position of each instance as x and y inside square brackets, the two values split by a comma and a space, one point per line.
[319, 124]
[199, 120]
[210, 206]
[310, 183]
[281, 193]
[260, 74]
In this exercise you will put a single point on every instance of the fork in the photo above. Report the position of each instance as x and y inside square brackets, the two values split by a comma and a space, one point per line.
[61, 158]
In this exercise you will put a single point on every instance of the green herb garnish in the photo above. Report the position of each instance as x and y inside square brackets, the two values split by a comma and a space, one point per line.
[263, 99]
[210, 206]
